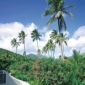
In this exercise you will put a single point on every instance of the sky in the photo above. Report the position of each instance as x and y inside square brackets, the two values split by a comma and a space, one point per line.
[26, 15]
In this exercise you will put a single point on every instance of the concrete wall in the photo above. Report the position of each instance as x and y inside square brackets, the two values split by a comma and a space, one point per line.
[10, 80]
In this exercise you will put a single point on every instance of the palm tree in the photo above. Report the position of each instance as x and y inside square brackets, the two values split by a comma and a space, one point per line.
[56, 9]
[39, 52]
[35, 35]
[14, 43]
[76, 60]
[22, 37]
[54, 36]
[59, 38]
[46, 49]
[62, 38]
[51, 46]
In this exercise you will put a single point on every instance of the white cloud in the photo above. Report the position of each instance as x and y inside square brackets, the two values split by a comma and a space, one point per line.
[80, 32]
[78, 40]
[67, 33]
[9, 31]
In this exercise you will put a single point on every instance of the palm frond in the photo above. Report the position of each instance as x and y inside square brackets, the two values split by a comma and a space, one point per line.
[69, 13]
[49, 2]
[35, 35]
[60, 4]
[49, 11]
[53, 19]
[53, 34]
[56, 9]
[70, 6]
[65, 42]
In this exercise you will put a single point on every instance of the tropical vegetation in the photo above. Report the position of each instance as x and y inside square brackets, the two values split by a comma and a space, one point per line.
[56, 9]
[15, 43]
[35, 35]
[45, 71]
[22, 37]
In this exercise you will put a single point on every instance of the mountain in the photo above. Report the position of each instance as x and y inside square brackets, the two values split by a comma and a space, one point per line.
[32, 56]
[35, 56]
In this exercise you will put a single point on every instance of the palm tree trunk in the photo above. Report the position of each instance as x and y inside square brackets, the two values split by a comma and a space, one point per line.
[37, 44]
[37, 49]
[16, 50]
[53, 53]
[48, 53]
[62, 51]
[24, 45]
[54, 49]
[24, 49]
[58, 25]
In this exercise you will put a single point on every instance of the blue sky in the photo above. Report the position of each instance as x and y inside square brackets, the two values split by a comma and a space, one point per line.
[29, 12]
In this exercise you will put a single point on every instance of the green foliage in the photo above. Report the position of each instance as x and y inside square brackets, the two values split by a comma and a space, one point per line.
[56, 9]
[37, 82]
[45, 71]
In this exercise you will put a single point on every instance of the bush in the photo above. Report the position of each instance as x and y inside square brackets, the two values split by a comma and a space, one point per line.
[46, 71]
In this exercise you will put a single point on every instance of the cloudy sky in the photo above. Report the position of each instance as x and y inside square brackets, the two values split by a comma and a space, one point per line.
[26, 15]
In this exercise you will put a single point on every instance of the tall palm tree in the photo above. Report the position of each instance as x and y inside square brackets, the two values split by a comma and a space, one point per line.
[56, 9]
[51, 46]
[62, 38]
[54, 36]
[46, 48]
[35, 35]
[14, 43]
[22, 37]
[59, 38]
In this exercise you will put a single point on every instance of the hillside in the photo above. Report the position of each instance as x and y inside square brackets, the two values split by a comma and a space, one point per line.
[51, 71]
[7, 52]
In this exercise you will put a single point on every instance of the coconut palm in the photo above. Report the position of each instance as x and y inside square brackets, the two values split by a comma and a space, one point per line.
[51, 46]
[76, 59]
[62, 38]
[39, 52]
[46, 49]
[53, 36]
[35, 35]
[14, 43]
[56, 9]
[22, 37]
